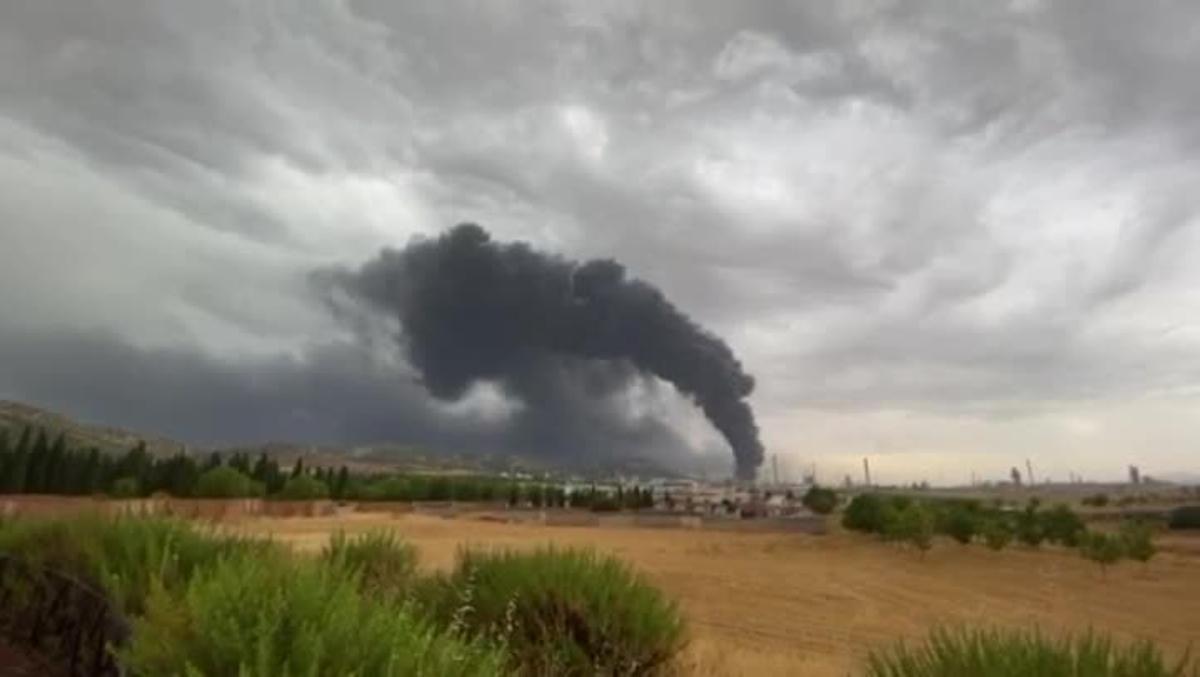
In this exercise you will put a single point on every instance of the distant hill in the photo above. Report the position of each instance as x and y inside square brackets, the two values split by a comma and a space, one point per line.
[15, 416]
[383, 457]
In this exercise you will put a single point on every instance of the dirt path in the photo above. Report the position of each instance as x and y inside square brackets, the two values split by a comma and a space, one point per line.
[771, 604]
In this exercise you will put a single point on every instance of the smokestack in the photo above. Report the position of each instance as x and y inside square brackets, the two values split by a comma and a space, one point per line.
[472, 310]
[1029, 473]
[866, 471]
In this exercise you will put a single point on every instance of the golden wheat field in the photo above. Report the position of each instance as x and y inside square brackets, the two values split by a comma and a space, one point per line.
[782, 604]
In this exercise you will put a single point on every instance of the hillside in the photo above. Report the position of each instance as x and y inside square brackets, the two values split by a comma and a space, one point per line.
[15, 416]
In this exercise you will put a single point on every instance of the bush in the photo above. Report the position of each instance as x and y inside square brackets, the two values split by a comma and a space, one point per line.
[1186, 517]
[1101, 548]
[1061, 525]
[224, 482]
[959, 522]
[996, 653]
[997, 533]
[121, 556]
[125, 487]
[1029, 528]
[384, 564]
[266, 616]
[820, 500]
[865, 513]
[1137, 538]
[910, 523]
[304, 488]
[560, 612]
[1096, 500]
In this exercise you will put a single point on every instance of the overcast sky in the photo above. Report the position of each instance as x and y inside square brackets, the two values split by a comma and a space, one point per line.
[949, 235]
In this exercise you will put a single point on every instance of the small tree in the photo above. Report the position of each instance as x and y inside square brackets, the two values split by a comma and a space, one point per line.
[911, 524]
[125, 487]
[820, 500]
[223, 482]
[1103, 549]
[1061, 525]
[997, 533]
[960, 523]
[1138, 540]
[1029, 525]
[304, 488]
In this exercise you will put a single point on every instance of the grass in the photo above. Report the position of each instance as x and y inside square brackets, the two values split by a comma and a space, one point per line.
[268, 616]
[998, 653]
[384, 564]
[560, 612]
[122, 556]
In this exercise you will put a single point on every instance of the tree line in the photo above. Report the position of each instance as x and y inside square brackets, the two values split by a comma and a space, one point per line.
[36, 463]
[905, 520]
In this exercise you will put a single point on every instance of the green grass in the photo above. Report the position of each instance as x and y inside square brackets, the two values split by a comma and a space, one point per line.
[384, 564]
[559, 612]
[998, 653]
[273, 615]
[122, 556]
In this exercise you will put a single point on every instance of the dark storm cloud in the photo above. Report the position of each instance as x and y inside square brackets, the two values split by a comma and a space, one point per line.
[878, 204]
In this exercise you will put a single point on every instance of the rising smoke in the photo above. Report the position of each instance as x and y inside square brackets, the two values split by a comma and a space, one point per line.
[473, 310]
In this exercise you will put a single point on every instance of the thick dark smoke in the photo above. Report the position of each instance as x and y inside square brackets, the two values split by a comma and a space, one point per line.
[473, 310]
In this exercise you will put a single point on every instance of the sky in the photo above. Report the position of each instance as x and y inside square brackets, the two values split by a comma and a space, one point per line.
[949, 236]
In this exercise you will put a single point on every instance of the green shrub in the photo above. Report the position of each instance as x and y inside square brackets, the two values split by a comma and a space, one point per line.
[820, 500]
[1137, 539]
[1101, 548]
[264, 616]
[224, 482]
[1061, 525]
[383, 563]
[125, 487]
[1185, 517]
[865, 513]
[1029, 528]
[304, 488]
[1096, 500]
[560, 612]
[997, 533]
[604, 503]
[1022, 653]
[121, 556]
[959, 522]
[910, 523]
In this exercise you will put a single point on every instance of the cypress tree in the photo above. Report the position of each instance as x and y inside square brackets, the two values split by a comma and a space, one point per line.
[298, 469]
[56, 467]
[343, 482]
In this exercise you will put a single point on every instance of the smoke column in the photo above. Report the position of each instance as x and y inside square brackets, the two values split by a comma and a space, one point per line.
[473, 310]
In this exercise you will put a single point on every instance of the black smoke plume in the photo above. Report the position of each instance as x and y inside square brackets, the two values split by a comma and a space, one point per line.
[475, 310]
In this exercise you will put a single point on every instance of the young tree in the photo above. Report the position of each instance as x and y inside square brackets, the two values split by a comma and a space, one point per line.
[959, 523]
[1015, 475]
[910, 523]
[1029, 525]
[298, 469]
[304, 488]
[997, 533]
[1061, 525]
[1138, 541]
[1103, 549]
[820, 500]
[223, 482]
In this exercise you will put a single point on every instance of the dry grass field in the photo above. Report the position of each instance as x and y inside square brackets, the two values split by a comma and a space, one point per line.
[775, 604]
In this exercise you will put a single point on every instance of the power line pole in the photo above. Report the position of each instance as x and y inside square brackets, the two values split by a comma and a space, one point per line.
[775, 467]
[1029, 468]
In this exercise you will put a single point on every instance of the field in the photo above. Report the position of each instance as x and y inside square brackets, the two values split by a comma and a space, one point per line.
[775, 604]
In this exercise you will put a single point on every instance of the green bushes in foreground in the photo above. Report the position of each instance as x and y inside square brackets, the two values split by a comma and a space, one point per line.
[122, 557]
[560, 612]
[997, 653]
[383, 564]
[277, 616]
